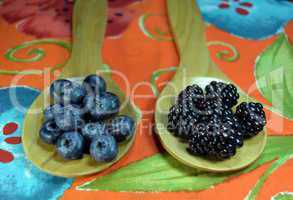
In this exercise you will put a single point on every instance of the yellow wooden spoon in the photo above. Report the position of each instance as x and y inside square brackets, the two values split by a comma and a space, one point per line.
[196, 67]
[89, 22]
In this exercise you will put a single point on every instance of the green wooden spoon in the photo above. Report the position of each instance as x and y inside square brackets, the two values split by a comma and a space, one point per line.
[89, 23]
[196, 67]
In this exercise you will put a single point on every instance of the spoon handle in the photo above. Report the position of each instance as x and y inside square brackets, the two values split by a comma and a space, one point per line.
[189, 32]
[89, 24]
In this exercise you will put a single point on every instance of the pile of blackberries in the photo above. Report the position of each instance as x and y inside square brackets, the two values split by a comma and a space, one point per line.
[84, 119]
[206, 121]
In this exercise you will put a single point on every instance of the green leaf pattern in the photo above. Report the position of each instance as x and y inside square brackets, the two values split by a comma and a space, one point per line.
[36, 54]
[162, 173]
[278, 163]
[283, 196]
[274, 75]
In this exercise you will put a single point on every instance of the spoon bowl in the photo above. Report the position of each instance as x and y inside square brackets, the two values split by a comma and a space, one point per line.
[196, 67]
[89, 22]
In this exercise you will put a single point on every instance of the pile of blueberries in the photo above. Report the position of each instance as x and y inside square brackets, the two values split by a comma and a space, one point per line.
[83, 118]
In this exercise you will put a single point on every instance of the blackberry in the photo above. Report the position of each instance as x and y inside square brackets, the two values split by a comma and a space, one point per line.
[252, 118]
[192, 108]
[207, 122]
[214, 140]
[192, 94]
[181, 121]
[225, 93]
[231, 122]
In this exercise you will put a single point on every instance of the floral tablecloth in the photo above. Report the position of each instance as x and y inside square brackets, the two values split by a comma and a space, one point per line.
[251, 41]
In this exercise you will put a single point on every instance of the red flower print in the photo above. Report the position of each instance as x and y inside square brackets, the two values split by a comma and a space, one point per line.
[9, 128]
[242, 8]
[31, 15]
[118, 20]
[5, 156]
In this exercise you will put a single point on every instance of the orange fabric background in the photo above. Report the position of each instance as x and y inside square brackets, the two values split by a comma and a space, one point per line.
[138, 56]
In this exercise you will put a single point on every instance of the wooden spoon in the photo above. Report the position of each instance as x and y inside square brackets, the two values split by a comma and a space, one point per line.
[89, 23]
[196, 67]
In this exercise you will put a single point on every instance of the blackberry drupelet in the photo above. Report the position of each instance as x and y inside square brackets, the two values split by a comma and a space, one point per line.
[252, 118]
[216, 140]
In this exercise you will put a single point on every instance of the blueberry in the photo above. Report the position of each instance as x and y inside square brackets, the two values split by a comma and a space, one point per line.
[122, 128]
[70, 145]
[50, 132]
[104, 148]
[102, 106]
[48, 113]
[93, 130]
[69, 118]
[60, 91]
[50, 110]
[77, 94]
[94, 84]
